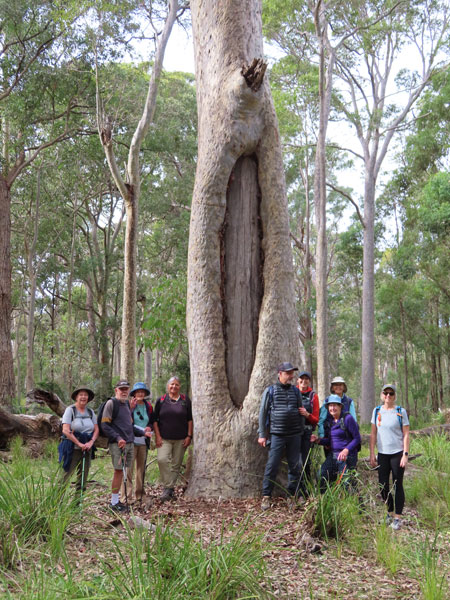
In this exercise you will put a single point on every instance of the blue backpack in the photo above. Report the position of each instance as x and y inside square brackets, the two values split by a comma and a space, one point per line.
[399, 415]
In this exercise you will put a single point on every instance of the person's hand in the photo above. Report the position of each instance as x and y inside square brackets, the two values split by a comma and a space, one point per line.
[121, 443]
[373, 461]
[262, 442]
[148, 432]
[302, 410]
[342, 456]
[314, 439]
[89, 445]
[132, 402]
[187, 441]
[403, 461]
[158, 441]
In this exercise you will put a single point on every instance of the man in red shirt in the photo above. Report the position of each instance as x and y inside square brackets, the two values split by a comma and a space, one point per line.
[310, 410]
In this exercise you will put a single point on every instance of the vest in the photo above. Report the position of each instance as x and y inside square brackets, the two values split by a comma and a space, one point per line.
[284, 416]
[307, 402]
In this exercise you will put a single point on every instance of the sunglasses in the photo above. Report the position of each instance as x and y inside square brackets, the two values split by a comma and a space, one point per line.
[389, 393]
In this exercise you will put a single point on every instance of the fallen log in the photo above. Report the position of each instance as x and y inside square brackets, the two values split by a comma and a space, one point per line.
[33, 429]
[52, 400]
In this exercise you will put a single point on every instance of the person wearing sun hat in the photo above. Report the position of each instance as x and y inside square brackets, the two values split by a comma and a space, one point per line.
[390, 432]
[141, 410]
[342, 437]
[338, 386]
[79, 432]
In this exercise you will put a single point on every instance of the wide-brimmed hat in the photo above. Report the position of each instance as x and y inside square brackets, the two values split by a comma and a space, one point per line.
[338, 380]
[139, 386]
[333, 399]
[90, 393]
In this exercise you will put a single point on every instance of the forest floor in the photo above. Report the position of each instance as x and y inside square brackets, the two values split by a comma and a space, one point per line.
[336, 568]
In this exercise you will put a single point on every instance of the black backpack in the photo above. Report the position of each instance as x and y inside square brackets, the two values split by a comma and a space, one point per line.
[101, 408]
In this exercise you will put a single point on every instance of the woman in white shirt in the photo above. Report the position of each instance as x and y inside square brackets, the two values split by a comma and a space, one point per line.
[390, 432]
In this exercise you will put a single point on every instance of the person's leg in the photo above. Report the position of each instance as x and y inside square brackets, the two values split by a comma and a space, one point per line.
[117, 462]
[327, 472]
[305, 472]
[397, 477]
[129, 494]
[273, 462]
[294, 460]
[164, 456]
[76, 457]
[140, 457]
[178, 451]
[384, 470]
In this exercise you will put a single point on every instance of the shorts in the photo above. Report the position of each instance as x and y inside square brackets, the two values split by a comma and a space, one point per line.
[116, 455]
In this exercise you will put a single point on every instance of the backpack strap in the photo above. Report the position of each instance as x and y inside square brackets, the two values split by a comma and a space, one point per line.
[398, 410]
[377, 415]
[399, 416]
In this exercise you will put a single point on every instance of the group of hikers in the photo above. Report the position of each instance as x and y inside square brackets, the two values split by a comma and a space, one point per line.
[128, 420]
[288, 417]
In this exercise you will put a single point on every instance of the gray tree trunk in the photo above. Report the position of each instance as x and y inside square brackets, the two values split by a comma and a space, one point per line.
[241, 314]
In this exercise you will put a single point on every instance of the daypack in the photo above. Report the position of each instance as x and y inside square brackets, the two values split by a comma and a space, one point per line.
[101, 408]
[399, 416]
[88, 416]
[270, 404]
[327, 427]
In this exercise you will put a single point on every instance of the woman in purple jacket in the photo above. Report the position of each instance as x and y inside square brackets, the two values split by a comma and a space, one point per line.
[343, 438]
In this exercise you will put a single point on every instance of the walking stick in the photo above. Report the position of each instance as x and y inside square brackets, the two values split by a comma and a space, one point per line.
[125, 474]
[83, 464]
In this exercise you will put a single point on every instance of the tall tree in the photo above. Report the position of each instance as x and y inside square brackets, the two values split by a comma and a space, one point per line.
[240, 309]
[129, 185]
[35, 114]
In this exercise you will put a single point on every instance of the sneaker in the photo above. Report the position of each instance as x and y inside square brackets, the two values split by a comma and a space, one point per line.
[389, 519]
[119, 507]
[265, 503]
[167, 494]
[396, 524]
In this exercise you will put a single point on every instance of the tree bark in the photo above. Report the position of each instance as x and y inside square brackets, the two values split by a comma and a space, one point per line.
[239, 149]
[7, 387]
[31, 428]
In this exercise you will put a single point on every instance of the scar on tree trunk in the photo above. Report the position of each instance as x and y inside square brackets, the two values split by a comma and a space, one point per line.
[241, 274]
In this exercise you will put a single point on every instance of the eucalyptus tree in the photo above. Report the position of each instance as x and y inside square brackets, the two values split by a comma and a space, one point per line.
[129, 182]
[38, 97]
[241, 314]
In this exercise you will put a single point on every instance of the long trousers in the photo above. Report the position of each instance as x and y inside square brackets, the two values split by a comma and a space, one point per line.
[393, 496]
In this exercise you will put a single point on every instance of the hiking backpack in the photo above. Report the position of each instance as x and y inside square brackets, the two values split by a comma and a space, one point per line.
[101, 408]
[88, 416]
[378, 416]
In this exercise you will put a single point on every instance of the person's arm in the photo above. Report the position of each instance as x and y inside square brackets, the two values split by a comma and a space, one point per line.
[263, 409]
[67, 431]
[352, 410]
[110, 432]
[322, 416]
[313, 418]
[404, 459]
[188, 439]
[353, 429]
[158, 438]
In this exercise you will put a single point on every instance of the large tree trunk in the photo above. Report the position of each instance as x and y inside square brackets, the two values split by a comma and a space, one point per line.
[367, 400]
[6, 357]
[241, 301]
[32, 428]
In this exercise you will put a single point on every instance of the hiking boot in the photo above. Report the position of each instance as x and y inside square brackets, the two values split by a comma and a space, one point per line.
[119, 507]
[396, 524]
[389, 519]
[167, 494]
[265, 503]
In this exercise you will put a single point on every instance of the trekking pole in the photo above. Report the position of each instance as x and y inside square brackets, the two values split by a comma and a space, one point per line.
[83, 464]
[341, 475]
[124, 474]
